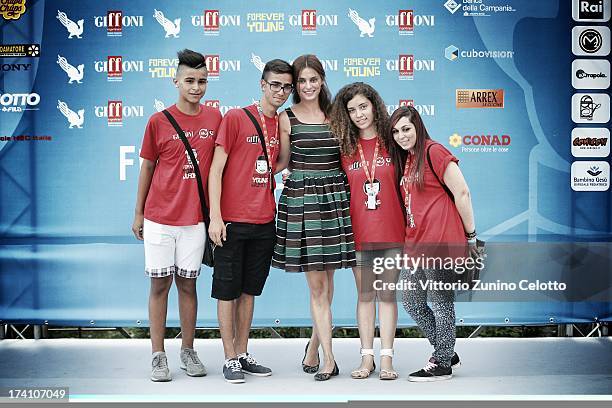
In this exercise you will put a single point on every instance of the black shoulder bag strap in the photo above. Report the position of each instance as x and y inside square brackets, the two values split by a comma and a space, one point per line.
[450, 194]
[263, 146]
[194, 162]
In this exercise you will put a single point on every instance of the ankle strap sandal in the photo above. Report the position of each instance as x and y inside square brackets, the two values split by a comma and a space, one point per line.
[387, 374]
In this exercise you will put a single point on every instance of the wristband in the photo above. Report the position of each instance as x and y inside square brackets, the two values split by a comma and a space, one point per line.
[470, 235]
[471, 241]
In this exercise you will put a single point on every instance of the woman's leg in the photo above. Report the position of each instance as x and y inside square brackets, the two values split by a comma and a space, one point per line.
[320, 309]
[387, 313]
[443, 306]
[366, 313]
[312, 354]
[415, 303]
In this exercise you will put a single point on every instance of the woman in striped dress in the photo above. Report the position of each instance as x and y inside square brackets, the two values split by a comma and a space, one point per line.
[314, 233]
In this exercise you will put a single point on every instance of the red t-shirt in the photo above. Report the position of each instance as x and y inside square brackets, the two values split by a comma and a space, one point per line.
[386, 223]
[173, 195]
[246, 195]
[436, 218]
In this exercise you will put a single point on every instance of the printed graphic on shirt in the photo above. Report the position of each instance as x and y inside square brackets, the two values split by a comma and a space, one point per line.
[380, 161]
[260, 176]
[371, 191]
[188, 170]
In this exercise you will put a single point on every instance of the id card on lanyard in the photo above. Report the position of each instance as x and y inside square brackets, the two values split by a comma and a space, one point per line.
[371, 186]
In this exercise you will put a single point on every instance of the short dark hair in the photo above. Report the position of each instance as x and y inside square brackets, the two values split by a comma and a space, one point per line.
[192, 59]
[278, 66]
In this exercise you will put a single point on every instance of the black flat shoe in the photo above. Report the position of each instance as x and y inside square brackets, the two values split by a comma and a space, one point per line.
[309, 369]
[327, 376]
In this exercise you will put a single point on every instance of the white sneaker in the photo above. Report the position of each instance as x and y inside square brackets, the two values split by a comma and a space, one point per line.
[191, 363]
[159, 370]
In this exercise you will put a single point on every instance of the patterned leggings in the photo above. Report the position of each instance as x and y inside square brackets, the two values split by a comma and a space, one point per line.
[437, 322]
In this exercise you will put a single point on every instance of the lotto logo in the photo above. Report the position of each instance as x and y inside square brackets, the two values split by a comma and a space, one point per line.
[115, 68]
[115, 113]
[309, 21]
[406, 66]
[211, 21]
[114, 27]
[406, 22]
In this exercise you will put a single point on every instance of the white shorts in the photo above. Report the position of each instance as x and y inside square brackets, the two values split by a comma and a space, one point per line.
[173, 249]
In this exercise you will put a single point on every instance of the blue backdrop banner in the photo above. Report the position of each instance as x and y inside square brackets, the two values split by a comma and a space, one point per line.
[517, 90]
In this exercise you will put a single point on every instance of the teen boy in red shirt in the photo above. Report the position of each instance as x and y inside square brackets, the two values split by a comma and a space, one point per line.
[242, 211]
[168, 216]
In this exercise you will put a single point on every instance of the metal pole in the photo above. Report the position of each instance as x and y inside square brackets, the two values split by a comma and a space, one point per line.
[561, 330]
[569, 330]
[476, 332]
[2, 331]
[37, 332]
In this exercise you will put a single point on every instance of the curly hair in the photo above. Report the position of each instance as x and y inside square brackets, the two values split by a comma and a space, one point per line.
[343, 127]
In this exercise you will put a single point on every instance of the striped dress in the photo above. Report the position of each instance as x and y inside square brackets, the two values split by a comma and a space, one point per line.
[313, 228]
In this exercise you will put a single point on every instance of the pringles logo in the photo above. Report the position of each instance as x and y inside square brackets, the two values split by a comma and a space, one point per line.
[12, 9]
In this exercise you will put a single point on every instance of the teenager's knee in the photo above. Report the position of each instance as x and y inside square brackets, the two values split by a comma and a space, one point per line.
[387, 296]
[186, 286]
[161, 286]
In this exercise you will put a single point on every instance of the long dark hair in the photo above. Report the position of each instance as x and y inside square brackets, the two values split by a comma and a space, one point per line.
[343, 127]
[311, 61]
[399, 155]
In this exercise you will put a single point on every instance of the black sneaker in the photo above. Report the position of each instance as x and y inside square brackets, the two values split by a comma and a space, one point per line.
[455, 362]
[431, 372]
[232, 371]
[252, 367]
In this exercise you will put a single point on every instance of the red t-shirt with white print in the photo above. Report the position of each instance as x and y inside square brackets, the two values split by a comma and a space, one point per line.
[246, 195]
[385, 225]
[173, 195]
[437, 221]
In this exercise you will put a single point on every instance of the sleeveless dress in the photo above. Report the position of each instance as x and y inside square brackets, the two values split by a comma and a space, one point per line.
[313, 228]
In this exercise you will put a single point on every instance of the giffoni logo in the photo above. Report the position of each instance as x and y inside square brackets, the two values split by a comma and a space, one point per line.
[12, 9]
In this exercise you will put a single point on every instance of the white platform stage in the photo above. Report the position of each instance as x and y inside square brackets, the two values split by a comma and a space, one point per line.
[118, 370]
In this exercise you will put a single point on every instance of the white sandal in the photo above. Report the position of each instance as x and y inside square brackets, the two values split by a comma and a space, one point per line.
[363, 373]
[387, 374]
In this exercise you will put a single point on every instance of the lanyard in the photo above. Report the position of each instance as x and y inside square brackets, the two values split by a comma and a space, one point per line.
[364, 164]
[408, 196]
[264, 129]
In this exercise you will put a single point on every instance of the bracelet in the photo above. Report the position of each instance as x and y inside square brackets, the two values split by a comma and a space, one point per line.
[471, 241]
[470, 235]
